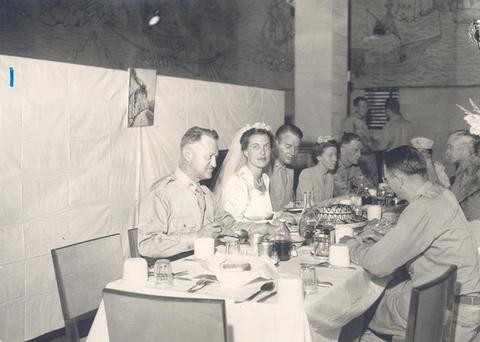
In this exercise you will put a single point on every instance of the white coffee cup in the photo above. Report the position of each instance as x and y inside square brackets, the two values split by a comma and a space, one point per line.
[341, 232]
[204, 248]
[374, 211]
[135, 270]
[339, 255]
[290, 291]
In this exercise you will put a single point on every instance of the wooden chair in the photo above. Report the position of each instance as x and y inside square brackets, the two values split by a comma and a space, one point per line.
[82, 270]
[148, 318]
[430, 316]
[133, 243]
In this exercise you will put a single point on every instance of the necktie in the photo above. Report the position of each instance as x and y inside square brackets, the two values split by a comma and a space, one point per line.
[199, 195]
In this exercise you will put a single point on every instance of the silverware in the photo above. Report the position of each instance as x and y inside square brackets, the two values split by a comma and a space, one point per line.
[325, 264]
[200, 284]
[271, 294]
[266, 287]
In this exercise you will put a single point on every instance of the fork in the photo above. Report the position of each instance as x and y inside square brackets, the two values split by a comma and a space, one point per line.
[325, 264]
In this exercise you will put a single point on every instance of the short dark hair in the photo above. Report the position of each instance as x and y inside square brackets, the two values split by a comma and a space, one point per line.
[245, 138]
[393, 105]
[320, 148]
[358, 99]
[195, 133]
[288, 128]
[347, 138]
[406, 159]
[475, 139]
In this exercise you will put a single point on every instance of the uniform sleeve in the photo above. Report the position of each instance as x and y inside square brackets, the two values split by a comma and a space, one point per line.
[153, 240]
[408, 239]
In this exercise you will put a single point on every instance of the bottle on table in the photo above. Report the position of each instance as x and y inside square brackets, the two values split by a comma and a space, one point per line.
[366, 196]
[282, 243]
[308, 219]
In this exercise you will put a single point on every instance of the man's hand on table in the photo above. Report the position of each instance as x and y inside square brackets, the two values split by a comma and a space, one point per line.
[211, 229]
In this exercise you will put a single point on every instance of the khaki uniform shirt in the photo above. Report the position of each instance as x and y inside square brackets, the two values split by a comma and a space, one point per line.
[171, 216]
[431, 233]
[281, 186]
[395, 133]
[347, 179]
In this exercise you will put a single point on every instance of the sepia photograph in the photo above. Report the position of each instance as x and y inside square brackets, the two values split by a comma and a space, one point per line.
[141, 97]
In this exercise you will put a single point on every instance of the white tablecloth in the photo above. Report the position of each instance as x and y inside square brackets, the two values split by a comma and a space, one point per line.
[321, 319]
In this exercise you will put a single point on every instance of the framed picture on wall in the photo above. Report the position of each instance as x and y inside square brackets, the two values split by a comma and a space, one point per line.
[141, 97]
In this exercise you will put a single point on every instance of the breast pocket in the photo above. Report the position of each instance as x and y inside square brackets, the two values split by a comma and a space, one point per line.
[181, 226]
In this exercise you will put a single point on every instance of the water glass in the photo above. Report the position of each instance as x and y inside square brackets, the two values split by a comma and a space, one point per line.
[163, 273]
[232, 247]
[321, 245]
[309, 278]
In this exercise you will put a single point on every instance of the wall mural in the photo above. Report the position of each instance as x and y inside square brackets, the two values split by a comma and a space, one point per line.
[414, 43]
[204, 39]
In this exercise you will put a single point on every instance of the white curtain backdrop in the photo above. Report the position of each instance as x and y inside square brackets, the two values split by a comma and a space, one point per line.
[70, 170]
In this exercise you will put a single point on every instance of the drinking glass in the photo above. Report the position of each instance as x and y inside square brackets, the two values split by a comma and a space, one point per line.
[163, 273]
[232, 247]
[309, 278]
[321, 245]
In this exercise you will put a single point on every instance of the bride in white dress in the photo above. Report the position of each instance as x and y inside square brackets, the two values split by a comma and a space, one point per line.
[242, 187]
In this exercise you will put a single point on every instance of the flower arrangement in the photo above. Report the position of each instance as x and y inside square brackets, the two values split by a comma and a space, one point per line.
[323, 139]
[472, 117]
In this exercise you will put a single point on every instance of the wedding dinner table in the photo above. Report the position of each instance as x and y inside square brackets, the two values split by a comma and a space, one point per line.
[320, 319]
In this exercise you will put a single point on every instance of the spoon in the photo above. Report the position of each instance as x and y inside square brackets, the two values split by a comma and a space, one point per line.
[266, 287]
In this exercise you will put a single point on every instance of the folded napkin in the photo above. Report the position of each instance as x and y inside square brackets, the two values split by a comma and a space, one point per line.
[229, 279]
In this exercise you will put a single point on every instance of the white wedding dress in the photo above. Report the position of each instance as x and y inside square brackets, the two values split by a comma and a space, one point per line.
[245, 202]
[234, 187]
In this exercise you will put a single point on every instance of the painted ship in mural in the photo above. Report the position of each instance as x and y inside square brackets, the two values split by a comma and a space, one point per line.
[395, 41]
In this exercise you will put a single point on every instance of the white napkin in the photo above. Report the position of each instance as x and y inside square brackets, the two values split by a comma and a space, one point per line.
[260, 268]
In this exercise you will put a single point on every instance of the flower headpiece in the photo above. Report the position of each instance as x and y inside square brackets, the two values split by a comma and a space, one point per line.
[259, 125]
[323, 139]
[472, 118]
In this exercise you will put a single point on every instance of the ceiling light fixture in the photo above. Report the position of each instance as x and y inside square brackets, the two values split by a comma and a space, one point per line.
[154, 19]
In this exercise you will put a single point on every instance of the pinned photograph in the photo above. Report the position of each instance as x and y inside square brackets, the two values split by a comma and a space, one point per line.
[141, 97]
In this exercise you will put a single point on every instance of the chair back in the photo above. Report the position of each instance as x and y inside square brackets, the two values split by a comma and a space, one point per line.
[142, 317]
[133, 243]
[82, 270]
[431, 310]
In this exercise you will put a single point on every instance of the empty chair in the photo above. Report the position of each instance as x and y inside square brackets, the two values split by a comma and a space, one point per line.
[430, 316]
[82, 270]
[148, 318]
[133, 242]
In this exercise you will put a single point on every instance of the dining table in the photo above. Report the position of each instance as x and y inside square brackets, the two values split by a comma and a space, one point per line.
[342, 295]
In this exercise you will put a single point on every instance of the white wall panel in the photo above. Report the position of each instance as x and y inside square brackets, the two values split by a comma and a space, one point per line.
[12, 243]
[70, 170]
